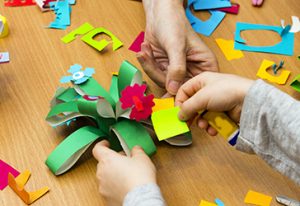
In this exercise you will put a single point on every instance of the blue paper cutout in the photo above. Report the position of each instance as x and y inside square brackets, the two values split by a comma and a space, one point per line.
[72, 2]
[219, 202]
[204, 27]
[62, 10]
[78, 76]
[285, 47]
[211, 4]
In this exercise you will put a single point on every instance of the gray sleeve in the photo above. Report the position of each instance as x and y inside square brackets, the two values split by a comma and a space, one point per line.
[144, 195]
[270, 128]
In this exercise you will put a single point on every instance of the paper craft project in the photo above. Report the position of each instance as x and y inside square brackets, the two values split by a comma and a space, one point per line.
[166, 123]
[3, 27]
[234, 9]
[285, 47]
[262, 73]
[204, 27]
[5, 169]
[136, 45]
[62, 10]
[19, 2]
[118, 115]
[295, 26]
[17, 185]
[89, 33]
[296, 83]
[210, 4]
[219, 202]
[227, 47]
[4, 57]
[205, 203]
[257, 198]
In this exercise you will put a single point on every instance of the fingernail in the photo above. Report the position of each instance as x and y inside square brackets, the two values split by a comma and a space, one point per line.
[173, 87]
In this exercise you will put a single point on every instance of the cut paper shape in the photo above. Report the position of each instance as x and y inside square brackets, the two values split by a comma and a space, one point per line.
[296, 83]
[234, 9]
[17, 185]
[4, 57]
[162, 104]
[4, 30]
[166, 123]
[136, 44]
[83, 29]
[227, 47]
[262, 73]
[205, 203]
[257, 198]
[78, 76]
[19, 3]
[219, 202]
[285, 47]
[295, 25]
[211, 4]
[62, 10]
[204, 27]
[5, 169]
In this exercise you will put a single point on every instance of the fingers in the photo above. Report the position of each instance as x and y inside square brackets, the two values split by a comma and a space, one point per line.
[101, 150]
[203, 124]
[137, 151]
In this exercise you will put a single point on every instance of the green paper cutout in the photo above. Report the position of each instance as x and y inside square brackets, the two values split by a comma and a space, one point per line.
[88, 108]
[83, 29]
[100, 45]
[68, 95]
[295, 83]
[113, 90]
[104, 109]
[63, 107]
[69, 151]
[133, 133]
[166, 123]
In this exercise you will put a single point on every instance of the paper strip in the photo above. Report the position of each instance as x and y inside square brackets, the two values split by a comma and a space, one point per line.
[257, 198]
[211, 4]
[4, 170]
[114, 90]
[205, 203]
[227, 47]
[136, 45]
[19, 2]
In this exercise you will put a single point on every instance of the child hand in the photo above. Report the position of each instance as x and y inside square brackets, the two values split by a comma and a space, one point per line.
[119, 174]
[214, 92]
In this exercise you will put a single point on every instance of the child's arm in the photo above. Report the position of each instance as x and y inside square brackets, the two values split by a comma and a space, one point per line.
[269, 119]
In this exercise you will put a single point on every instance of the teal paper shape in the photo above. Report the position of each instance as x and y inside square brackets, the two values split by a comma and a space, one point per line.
[211, 4]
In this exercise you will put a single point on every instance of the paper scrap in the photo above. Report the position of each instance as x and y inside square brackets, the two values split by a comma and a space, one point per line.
[205, 203]
[17, 185]
[62, 10]
[83, 29]
[211, 4]
[257, 198]
[5, 169]
[167, 124]
[285, 47]
[4, 57]
[162, 104]
[136, 45]
[296, 83]
[219, 202]
[295, 26]
[227, 47]
[234, 9]
[3, 27]
[262, 73]
[19, 2]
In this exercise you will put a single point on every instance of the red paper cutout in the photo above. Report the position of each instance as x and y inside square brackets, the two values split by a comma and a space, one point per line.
[136, 45]
[5, 169]
[234, 9]
[19, 3]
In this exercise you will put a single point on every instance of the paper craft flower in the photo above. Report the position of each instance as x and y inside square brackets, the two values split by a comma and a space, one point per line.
[78, 76]
[134, 97]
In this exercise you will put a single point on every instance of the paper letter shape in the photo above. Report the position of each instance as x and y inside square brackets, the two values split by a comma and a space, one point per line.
[162, 104]
[285, 47]
[211, 4]
[227, 47]
[19, 3]
[256, 198]
[296, 83]
[204, 27]
[100, 45]
[166, 123]
[262, 73]
[4, 170]
[136, 45]
[17, 185]
[4, 57]
[3, 27]
[83, 29]
[205, 203]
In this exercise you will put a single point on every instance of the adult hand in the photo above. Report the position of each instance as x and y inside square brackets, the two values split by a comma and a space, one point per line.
[172, 52]
[213, 92]
[119, 174]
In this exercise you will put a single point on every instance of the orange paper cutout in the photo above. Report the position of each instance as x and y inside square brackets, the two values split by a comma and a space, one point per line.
[257, 198]
[162, 104]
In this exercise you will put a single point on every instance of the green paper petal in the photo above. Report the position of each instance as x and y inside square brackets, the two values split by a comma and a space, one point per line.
[114, 91]
[87, 108]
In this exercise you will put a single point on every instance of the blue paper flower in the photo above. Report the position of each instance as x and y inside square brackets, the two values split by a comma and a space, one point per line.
[78, 76]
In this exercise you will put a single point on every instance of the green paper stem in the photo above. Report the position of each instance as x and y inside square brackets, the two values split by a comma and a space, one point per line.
[87, 108]
[296, 83]
[70, 150]
[68, 95]
[62, 108]
[114, 91]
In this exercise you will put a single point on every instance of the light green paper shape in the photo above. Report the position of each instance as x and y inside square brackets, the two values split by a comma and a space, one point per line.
[166, 123]
[83, 29]
[70, 150]
[295, 83]
[100, 45]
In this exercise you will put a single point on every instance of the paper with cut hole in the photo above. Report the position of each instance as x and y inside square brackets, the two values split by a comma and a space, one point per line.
[83, 29]
[136, 44]
[3, 27]
[162, 104]
[5, 169]
[167, 124]
[19, 2]
[211, 4]
[204, 27]
[295, 24]
[227, 47]
[257, 198]
[262, 73]
[296, 83]
[284, 47]
[4, 57]
[234, 9]
[17, 185]
[205, 203]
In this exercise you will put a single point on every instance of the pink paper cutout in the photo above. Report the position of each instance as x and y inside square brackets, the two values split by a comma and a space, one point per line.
[136, 45]
[19, 3]
[4, 170]
[234, 9]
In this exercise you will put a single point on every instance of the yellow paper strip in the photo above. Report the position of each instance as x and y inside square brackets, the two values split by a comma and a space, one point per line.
[205, 203]
[162, 104]
[227, 47]
[257, 198]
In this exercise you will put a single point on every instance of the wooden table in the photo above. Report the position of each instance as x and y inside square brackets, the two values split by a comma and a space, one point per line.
[208, 169]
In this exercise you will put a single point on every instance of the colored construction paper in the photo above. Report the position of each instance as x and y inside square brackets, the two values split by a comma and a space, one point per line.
[88, 108]
[210, 4]
[296, 83]
[136, 44]
[4, 170]
[162, 104]
[295, 24]
[262, 73]
[62, 9]
[166, 123]
[67, 95]
[70, 150]
[204, 27]
[285, 47]
[4, 30]
[219, 202]
[17, 185]
[4, 57]
[105, 109]
[205, 203]
[234, 9]
[19, 2]
[227, 47]
[43, 4]
[257, 198]
[83, 29]
[113, 90]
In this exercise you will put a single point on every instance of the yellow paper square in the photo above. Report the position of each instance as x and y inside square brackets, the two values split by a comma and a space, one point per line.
[166, 123]
[227, 47]
[205, 203]
[162, 104]
[257, 198]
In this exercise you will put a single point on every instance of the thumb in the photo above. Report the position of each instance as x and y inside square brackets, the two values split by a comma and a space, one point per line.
[102, 151]
[137, 151]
